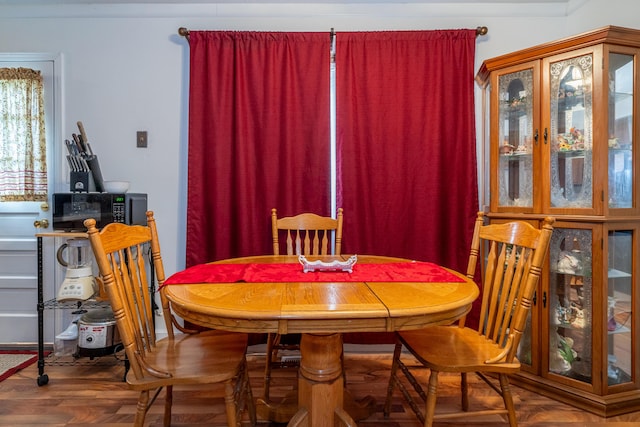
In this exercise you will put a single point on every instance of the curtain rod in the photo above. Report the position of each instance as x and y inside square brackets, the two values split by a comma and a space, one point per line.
[480, 31]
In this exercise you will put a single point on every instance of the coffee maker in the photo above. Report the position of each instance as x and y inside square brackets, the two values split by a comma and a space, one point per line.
[79, 283]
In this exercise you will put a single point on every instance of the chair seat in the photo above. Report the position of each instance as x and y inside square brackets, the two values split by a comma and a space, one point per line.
[455, 349]
[203, 358]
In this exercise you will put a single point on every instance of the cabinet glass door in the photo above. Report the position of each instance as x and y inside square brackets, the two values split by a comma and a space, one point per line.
[619, 313]
[620, 130]
[570, 136]
[515, 139]
[570, 305]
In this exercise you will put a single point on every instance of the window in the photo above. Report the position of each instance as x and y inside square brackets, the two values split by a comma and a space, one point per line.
[23, 163]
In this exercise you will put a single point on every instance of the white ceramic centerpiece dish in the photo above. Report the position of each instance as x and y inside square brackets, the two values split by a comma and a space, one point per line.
[342, 266]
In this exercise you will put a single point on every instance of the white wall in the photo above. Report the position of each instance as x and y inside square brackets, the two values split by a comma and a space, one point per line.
[125, 68]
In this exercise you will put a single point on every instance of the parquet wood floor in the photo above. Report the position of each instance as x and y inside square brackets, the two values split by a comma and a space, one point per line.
[86, 394]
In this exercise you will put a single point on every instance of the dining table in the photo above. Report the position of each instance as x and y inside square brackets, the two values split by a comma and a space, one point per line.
[278, 294]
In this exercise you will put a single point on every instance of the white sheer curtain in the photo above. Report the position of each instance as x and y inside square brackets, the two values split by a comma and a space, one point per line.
[23, 162]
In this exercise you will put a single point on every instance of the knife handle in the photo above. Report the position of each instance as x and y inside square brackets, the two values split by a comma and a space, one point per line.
[82, 132]
[79, 143]
[69, 148]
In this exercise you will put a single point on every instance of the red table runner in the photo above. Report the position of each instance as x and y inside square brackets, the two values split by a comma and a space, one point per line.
[292, 272]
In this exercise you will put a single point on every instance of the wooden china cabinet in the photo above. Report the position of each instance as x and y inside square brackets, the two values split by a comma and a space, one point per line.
[563, 133]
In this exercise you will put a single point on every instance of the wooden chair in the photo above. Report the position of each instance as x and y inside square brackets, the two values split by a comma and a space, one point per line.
[125, 254]
[305, 234]
[513, 255]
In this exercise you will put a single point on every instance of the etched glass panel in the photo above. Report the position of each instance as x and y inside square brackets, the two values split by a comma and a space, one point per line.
[620, 130]
[570, 313]
[515, 166]
[571, 136]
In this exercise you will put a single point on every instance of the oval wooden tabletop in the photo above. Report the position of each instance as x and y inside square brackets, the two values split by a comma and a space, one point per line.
[322, 307]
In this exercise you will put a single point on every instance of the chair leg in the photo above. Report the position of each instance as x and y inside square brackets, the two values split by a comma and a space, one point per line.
[508, 400]
[344, 371]
[249, 403]
[464, 391]
[267, 366]
[141, 408]
[168, 402]
[271, 343]
[392, 379]
[430, 407]
[230, 404]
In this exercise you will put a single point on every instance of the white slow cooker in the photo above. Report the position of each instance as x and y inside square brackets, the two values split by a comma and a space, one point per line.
[97, 333]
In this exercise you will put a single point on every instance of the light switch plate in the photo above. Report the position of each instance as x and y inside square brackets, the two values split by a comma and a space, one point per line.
[141, 139]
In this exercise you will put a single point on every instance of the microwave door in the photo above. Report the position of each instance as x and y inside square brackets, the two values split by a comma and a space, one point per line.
[137, 209]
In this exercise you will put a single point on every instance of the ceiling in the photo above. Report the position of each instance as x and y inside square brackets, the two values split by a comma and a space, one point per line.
[71, 2]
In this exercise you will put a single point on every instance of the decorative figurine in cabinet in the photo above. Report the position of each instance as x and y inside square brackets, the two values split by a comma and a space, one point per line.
[562, 141]
[571, 304]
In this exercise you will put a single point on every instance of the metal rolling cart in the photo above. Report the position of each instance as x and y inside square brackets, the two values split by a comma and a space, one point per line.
[54, 304]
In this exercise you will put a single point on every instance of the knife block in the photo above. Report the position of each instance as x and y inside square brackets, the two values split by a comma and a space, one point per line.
[82, 182]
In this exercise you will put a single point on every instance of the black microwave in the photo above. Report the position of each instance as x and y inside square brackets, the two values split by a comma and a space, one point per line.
[71, 209]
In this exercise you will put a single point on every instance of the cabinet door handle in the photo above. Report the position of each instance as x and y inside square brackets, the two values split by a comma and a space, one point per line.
[536, 136]
[544, 300]
[546, 135]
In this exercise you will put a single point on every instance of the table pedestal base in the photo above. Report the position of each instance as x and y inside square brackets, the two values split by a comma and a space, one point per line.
[322, 400]
[284, 410]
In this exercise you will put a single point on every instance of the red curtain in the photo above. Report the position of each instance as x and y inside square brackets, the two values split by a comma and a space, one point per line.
[406, 143]
[258, 137]
[406, 147]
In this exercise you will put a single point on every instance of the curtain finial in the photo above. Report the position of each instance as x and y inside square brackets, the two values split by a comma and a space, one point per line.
[184, 32]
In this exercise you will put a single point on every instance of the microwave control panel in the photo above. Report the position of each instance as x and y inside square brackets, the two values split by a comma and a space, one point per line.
[118, 212]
